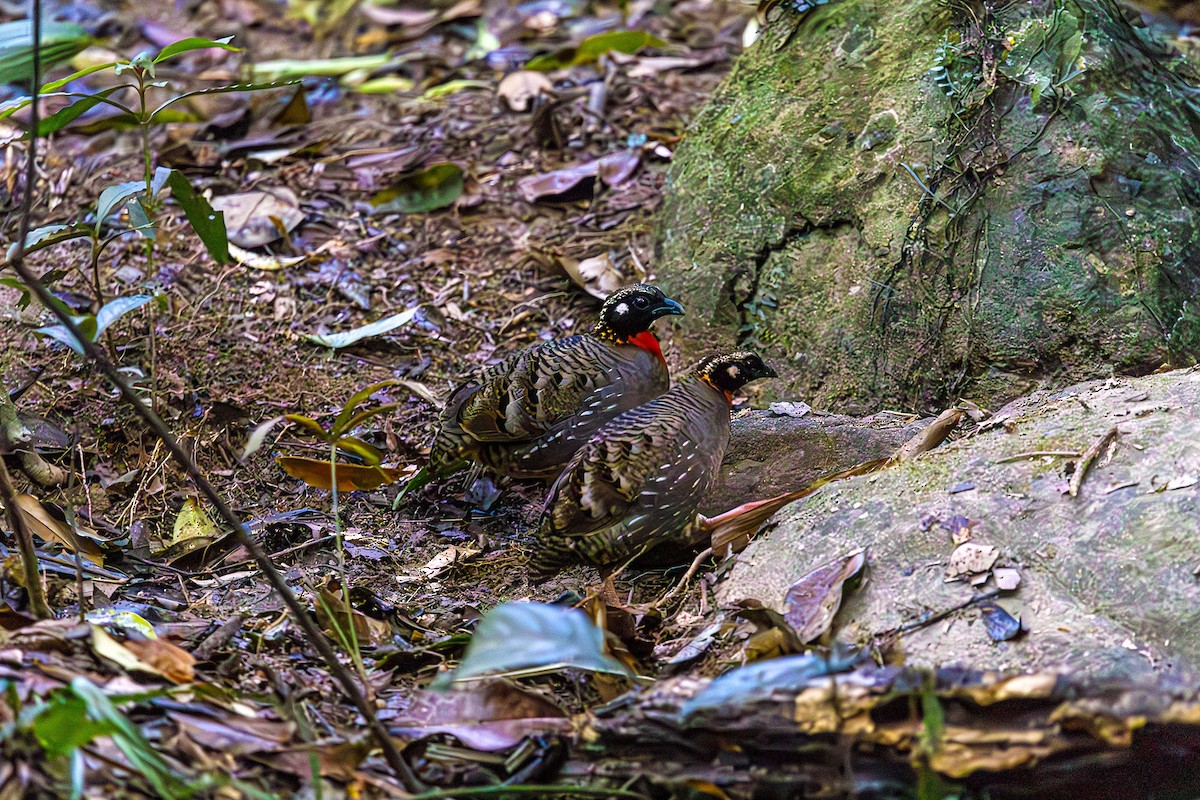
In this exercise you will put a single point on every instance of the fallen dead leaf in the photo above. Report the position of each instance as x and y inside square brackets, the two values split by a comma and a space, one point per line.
[971, 559]
[173, 662]
[491, 715]
[518, 90]
[257, 218]
[598, 275]
[1007, 579]
[814, 600]
[48, 529]
[350, 477]
[613, 169]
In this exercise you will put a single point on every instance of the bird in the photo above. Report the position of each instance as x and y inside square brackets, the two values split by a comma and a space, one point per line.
[638, 482]
[527, 415]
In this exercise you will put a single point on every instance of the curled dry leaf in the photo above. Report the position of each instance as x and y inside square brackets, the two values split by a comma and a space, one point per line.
[613, 169]
[350, 477]
[265, 263]
[971, 559]
[931, 436]
[257, 218]
[598, 275]
[814, 600]
[49, 529]
[173, 662]
[518, 90]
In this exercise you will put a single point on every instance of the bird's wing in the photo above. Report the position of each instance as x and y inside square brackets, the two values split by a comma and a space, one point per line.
[529, 392]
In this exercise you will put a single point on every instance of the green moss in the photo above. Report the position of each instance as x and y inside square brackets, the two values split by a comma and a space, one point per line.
[1061, 242]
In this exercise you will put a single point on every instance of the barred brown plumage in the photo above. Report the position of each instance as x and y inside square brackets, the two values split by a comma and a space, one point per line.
[639, 481]
[526, 415]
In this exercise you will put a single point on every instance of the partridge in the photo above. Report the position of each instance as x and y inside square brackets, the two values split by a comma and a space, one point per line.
[528, 414]
[639, 481]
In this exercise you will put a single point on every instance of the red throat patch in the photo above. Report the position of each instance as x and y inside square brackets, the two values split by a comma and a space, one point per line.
[648, 342]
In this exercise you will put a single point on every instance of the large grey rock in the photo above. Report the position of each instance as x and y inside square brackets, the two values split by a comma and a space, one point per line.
[1109, 577]
[770, 453]
[908, 202]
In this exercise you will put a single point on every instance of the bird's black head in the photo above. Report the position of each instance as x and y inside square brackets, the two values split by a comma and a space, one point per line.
[729, 372]
[631, 310]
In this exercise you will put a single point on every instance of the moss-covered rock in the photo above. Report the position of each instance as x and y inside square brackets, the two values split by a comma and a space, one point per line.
[908, 202]
[1109, 577]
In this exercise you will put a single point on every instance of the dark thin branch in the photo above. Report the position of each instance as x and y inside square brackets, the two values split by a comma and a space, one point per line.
[29, 558]
[93, 353]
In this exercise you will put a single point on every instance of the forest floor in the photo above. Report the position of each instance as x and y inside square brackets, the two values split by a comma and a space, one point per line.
[223, 350]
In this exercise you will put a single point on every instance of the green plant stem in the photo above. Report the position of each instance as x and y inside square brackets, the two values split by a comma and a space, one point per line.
[144, 124]
[351, 635]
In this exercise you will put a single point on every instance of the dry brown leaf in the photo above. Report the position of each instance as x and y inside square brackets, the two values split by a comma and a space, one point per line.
[172, 661]
[971, 559]
[814, 600]
[49, 529]
[598, 275]
[518, 90]
[256, 218]
[492, 715]
[350, 477]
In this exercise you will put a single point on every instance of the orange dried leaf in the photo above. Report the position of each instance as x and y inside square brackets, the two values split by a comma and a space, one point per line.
[350, 477]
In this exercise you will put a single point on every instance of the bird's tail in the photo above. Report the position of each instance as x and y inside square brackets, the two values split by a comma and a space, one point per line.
[732, 530]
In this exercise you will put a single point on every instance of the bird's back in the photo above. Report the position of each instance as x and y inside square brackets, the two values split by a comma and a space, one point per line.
[638, 481]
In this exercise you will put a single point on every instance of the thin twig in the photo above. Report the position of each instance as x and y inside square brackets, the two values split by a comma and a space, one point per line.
[29, 558]
[687, 576]
[311, 632]
[1089, 455]
[1038, 454]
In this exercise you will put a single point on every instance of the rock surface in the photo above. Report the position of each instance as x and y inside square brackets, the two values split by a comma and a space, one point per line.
[1109, 580]
[904, 203]
[770, 453]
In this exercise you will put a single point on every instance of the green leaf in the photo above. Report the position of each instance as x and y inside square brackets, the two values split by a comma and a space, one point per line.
[308, 422]
[290, 68]
[193, 43]
[54, 86]
[63, 725]
[368, 453]
[208, 224]
[47, 236]
[113, 310]
[550, 638]
[339, 340]
[429, 189]
[131, 743]
[591, 48]
[363, 416]
[339, 425]
[13, 283]
[139, 218]
[161, 114]
[65, 116]
[92, 326]
[114, 198]
[451, 87]
[60, 41]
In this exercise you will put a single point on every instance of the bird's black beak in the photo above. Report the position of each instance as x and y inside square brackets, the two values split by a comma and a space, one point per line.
[768, 372]
[668, 307]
